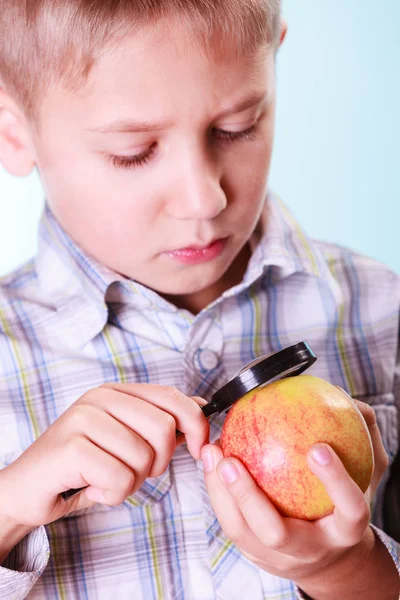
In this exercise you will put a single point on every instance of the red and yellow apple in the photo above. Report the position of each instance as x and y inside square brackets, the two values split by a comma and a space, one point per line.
[271, 430]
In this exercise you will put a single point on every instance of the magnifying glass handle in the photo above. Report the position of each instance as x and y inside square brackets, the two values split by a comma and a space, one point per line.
[210, 409]
[71, 493]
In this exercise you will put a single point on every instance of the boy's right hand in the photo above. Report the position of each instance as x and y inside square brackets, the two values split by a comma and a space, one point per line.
[109, 441]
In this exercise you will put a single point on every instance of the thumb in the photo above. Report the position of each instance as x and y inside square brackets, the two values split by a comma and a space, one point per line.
[199, 401]
[78, 502]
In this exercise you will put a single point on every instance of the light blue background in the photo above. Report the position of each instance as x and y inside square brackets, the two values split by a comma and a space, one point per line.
[336, 160]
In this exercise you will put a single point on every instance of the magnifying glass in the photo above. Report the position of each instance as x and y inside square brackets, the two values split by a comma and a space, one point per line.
[289, 362]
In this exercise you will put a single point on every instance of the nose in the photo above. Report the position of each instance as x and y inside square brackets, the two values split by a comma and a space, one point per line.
[196, 193]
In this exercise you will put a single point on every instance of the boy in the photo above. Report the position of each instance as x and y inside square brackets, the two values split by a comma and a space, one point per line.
[162, 269]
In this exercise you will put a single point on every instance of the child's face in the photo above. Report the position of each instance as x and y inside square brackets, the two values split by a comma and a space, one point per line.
[199, 172]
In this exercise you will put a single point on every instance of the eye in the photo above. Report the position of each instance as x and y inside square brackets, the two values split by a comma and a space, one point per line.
[236, 136]
[130, 162]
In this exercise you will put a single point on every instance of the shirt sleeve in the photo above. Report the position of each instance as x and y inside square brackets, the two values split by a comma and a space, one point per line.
[392, 547]
[391, 495]
[24, 565]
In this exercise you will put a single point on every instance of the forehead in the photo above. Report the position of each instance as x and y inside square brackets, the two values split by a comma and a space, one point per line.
[163, 70]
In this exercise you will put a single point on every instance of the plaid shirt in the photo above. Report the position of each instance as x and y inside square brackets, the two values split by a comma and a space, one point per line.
[68, 324]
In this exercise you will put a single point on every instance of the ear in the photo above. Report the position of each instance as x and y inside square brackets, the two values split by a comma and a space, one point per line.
[16, 152]
[284, 28]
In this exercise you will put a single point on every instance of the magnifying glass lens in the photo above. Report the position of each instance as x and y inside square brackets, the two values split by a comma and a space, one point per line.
[261, 371]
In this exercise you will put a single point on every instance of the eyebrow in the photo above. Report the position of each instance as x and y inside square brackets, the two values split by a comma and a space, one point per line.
[130, 126]
[252, 100]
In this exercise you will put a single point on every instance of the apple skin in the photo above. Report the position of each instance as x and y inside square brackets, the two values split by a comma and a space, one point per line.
[270, 430]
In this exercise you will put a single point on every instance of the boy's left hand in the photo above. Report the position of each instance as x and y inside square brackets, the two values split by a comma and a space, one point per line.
[286, 547]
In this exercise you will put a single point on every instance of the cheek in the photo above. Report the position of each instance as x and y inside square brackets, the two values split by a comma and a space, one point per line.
[81, 184]
[96, 204]
[250, 160]
[248, 172]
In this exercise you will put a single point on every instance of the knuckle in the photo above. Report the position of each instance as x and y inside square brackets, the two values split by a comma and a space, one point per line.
[278, 540]
[243, 495]
[367, 412]
[127, 483]
[199, 417]
[97, 397]
[384, 459]
[75, 448]
[168, 424]
[80, 416]
[156, 464]
[370, 414]
[361, 513]
[105, 386]
[159, 470]
[90, 397]
[113, 500]
[234, 534]
[174, 394]
[148, 456]
[124, 487]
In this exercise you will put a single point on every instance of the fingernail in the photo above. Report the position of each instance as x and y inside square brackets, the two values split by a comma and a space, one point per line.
[228, 472]
[199, 400]
[321, 454]
[208, 460]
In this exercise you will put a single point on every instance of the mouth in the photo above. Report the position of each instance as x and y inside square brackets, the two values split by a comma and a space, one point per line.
[197, 254]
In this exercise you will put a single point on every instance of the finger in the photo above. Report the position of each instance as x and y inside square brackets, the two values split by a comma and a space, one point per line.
[120, 441]
[351, 514]
[154, 426]
[259, 513]
[109, 481]
[369, 416]
[200, 401]
[180, 438]
[187, 414]
[223, 503]
[301, 533]
[381, 460]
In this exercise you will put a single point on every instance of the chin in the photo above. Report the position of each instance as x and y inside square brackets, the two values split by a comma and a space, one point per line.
[192, 283]
[183, 289]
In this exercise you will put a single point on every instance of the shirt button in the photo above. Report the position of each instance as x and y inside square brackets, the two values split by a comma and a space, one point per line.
[208, 360]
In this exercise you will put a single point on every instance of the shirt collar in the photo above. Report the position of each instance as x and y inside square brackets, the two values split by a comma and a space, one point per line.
[72, 283]
[280, 243]
[79, 288]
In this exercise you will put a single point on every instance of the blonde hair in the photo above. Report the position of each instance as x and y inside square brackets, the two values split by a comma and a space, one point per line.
[57, 41]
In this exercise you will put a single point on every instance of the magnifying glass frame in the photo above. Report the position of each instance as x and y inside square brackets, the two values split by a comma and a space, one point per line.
[291, 361]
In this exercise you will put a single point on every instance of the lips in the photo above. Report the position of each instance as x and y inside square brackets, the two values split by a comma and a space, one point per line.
[196, 254]
[198, 247]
